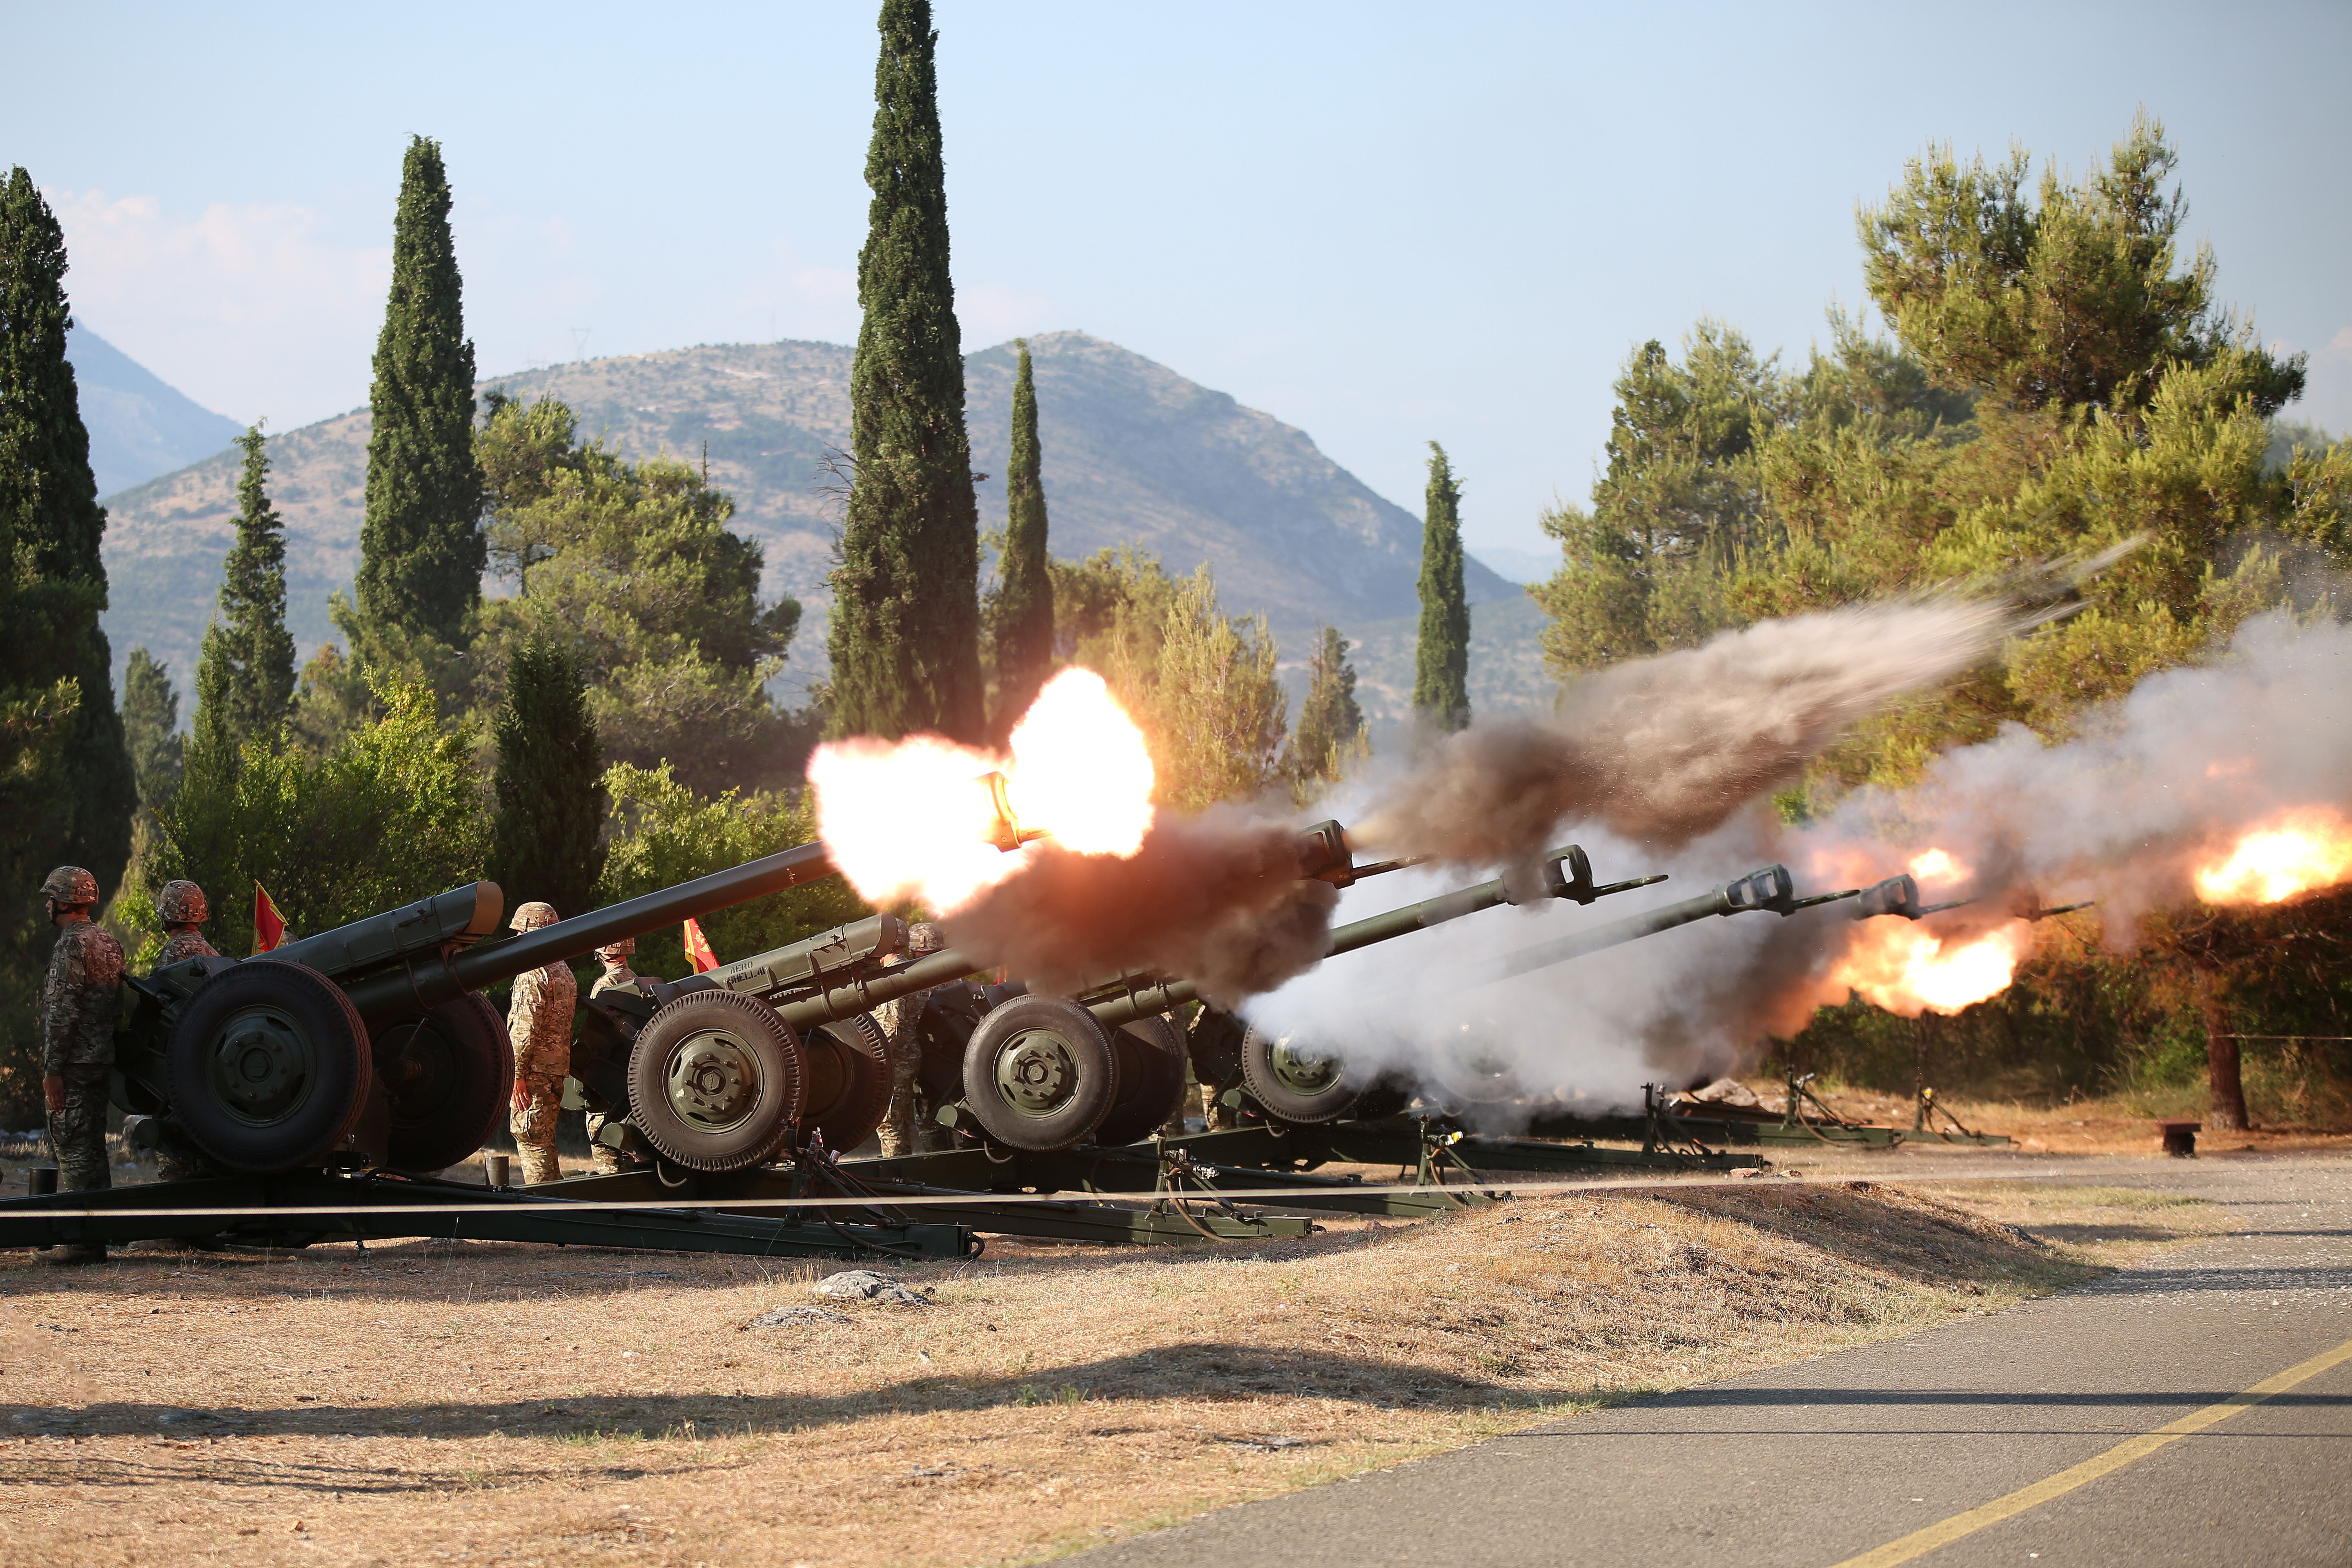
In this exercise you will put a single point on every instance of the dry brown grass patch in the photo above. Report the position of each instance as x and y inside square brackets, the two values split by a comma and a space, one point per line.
[431, 1399]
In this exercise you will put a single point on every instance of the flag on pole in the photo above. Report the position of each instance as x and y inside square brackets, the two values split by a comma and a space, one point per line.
[268, 925]
[698, 948]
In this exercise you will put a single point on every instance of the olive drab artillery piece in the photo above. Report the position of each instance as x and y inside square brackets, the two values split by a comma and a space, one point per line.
[365, 1045]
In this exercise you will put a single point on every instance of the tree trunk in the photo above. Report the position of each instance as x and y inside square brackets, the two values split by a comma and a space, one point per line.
[2227, 1112]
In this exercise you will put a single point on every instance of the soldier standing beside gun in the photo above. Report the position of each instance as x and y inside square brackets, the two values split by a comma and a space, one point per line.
[538, 1022]
[901, 1132]
[182, 910]
[78, 1000]
[617, 976]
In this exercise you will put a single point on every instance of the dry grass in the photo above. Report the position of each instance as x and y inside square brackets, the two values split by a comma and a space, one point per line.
[431, 1401]
[2123, 1124]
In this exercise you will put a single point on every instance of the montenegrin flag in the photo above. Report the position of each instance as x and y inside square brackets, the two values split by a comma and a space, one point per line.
[268, 925]
[698, 948]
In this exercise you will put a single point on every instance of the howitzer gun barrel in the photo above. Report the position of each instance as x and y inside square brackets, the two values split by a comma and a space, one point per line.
[429, 979]
[1562, 874]
[1771, 887]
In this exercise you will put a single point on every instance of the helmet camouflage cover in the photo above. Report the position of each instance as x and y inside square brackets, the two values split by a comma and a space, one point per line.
[531, 916]
[70, 885]
[616, 950]
[924, 936]
[182, 903]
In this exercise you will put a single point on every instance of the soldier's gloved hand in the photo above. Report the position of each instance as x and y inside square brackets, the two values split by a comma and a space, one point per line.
[53, 1089]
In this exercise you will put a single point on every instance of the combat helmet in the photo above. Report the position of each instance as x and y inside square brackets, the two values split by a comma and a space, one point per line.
[923, 936]
[531, 916]
[70, 885]
[182, 903]
[614, 951]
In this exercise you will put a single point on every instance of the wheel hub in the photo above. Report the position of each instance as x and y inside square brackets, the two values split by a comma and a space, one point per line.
[1036, 1073]
[1303, 1069]
[714, 1082]
[261, 1067]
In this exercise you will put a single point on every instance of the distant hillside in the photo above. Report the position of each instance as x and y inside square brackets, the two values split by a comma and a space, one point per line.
[1132, 452]
[139, 427]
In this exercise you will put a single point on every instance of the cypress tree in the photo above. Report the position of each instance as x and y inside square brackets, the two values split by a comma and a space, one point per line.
[247, 662]
[905, 636]
[1441, 670]
[1330, 721]
[150, 722]
[546, 835]
[1023, 632]
[50, 526]
[422, 548]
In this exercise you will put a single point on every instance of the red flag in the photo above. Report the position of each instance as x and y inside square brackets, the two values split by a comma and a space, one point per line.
[698, 948]
[268, 925]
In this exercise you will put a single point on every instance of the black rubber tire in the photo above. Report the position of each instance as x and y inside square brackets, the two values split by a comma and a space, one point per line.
[305, 1012]
[944, 1028]
[1470, 1080]
[1214, 1043]
[748, 1028]
[1150, 1082]
[848, 1083]
[1287, 1100]
[447, 1074]
[1055, 1025]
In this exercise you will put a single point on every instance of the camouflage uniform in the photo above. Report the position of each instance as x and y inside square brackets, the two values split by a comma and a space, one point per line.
[181, 907]
[538, 1022]
[617, 976]
[78, 1000]
[903, 1130]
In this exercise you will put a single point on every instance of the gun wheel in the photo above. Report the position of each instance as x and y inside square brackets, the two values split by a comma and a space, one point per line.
[1040, 1074]
[849, 1081]
[1299, 1079]
[268, 1067]
[446, 1073]
[716, 1081]
[1150, 1082]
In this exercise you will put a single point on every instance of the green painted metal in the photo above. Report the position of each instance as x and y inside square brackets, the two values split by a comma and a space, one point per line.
[467, 1212]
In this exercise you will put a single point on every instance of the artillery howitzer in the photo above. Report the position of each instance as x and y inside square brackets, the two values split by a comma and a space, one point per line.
[1033, 1073]
[365, 1045]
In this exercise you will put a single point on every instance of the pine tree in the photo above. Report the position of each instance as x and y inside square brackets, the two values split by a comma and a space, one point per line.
[546, 836]
[1024, 605]
[151, 724]
[905, 636]
[1330, 723]
[50, 526]
[247, 662]
[421, 548]
[1441, 671]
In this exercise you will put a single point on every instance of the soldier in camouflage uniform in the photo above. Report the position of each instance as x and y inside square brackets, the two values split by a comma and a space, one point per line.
[617, 976]
[902, 1130]
[538, 1022]
[182, 909]
[78, 1001]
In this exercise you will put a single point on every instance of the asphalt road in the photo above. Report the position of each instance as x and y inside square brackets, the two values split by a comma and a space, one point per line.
[1841, 1456]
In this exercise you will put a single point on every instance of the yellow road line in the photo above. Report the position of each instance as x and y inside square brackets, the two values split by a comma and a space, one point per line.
[1919, 1542]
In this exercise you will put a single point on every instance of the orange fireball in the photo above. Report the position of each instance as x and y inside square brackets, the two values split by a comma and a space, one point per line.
[2308, 848]
[912, 819]
[1908, 970]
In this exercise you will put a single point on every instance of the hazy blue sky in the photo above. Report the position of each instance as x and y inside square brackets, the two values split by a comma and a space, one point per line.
[1382, 223]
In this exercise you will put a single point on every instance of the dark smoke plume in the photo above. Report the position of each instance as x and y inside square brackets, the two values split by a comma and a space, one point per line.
[1216, 899]
[1661, 750]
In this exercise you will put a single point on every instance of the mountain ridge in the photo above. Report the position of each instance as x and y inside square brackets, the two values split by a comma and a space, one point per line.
[1134, 452]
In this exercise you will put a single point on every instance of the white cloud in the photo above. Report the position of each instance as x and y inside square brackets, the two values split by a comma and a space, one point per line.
[251, 310]
[2342, 340]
